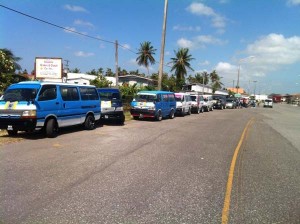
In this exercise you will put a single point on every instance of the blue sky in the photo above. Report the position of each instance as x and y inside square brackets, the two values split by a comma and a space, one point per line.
[262, 37]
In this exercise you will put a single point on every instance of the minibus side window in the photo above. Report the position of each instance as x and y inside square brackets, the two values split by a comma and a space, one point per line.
[88, 93]
[69, 93]
[48, 92]
[165, 97]
[171, 98]
[158, 98]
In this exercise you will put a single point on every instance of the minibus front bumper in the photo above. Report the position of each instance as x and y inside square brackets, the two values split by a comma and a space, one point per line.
[142, 113]
[18, 124]
[113, 115]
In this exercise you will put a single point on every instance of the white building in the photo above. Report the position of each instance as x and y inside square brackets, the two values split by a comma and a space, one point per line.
[80, 78]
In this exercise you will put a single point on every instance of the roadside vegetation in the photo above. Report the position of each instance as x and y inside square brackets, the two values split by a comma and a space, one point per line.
[179, 65]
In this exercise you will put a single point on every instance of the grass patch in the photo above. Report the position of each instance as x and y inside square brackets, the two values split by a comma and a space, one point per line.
[127, 116]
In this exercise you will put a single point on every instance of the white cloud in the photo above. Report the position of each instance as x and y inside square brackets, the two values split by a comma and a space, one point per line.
[271, 53]
[293, 2]
[83, 23]
[199, 42]
[74, 8]
[185, 43]
[200, 9]
[226, 70]
[274, 51]
[186, 28]
[204, 63]
[83, 54]
[70, 29]
[125, 46]
[207, 39]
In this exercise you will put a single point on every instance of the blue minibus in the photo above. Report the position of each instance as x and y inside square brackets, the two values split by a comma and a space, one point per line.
[35, 105]
[153, 104]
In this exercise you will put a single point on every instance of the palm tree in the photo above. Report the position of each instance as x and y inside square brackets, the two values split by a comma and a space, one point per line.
[215, 80]
[75, 70]
[146, 53]
[181, 63]
[8, 61]
[206, 77]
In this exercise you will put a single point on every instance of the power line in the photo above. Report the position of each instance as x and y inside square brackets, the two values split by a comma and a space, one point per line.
[63, 28]
[69, 30]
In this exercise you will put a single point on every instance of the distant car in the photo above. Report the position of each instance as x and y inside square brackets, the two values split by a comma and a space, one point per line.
[231, 103]
[252, 103]
[208, 103]
[219, 102]
[183, 104]
[268, 103]
[197, 103]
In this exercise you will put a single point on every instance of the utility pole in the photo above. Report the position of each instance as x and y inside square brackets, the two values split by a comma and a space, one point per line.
[162, 50]
[202, 83]
[254, 88]
[117, 66]
[67, 64]
[65, 71]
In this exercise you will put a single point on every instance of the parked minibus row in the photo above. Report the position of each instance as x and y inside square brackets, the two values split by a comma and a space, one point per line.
[162, 104]
[48, 106]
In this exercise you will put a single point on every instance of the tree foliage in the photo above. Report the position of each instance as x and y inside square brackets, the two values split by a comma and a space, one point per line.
[8, 65]
[101, 82]
[8, 61]
[145, 55]
[181, 63]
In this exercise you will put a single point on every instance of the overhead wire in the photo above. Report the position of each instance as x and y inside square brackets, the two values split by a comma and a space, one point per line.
[69, 30]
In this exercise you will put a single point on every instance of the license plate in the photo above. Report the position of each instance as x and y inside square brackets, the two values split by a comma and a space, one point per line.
[106, 116]
[9, 127]
[141, 115]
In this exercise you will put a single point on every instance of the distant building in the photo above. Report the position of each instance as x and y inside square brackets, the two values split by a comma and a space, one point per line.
[80, 78]
[198, 87]
[205, 89]
[236, 90]
[135, 79]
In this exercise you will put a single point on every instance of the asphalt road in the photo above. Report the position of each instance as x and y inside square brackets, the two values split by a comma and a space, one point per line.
[173, 171]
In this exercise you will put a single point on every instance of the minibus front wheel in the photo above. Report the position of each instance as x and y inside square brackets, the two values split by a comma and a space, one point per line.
[51, 128]
[159, 116]
[89, 123]
[12, 132]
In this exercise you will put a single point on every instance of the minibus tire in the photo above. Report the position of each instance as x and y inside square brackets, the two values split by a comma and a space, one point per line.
[159, 116]
[172, 114]
[89, 123]
[12, 132]
[51, 128]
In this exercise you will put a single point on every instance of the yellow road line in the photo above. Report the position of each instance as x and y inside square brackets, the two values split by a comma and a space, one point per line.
[225, 212]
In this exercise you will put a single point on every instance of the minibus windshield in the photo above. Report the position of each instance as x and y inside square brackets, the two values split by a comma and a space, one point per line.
[146, 98]
[178, 98]
[109, 96]
[19, 94]
[193, 98]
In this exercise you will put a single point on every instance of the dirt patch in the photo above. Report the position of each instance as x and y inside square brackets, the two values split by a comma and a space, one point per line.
[6, 139]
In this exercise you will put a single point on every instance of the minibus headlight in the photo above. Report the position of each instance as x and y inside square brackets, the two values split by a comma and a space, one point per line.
[29, 113]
